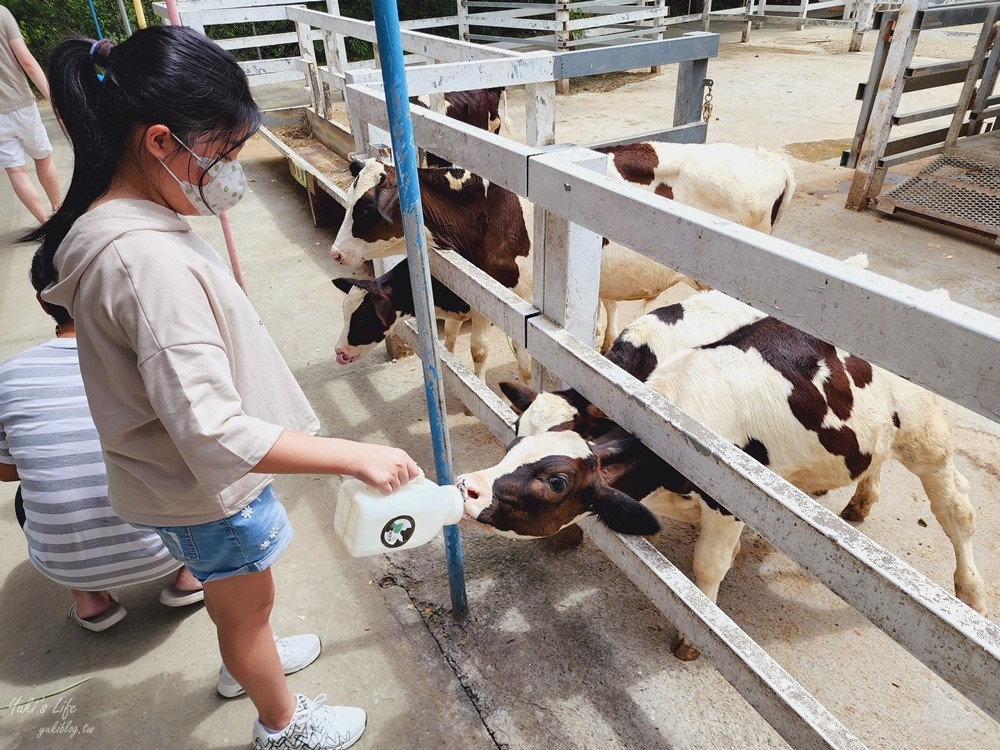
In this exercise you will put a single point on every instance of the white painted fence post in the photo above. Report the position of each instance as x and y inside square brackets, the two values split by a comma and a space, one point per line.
[462, 12]
[308, 53]
[567, 274]
[562, 39]
[540, 130]
[688, 97]
[335, 49]
[659, 23]
[567, 288]
[192, 19]
[862, 10]
[868, 175]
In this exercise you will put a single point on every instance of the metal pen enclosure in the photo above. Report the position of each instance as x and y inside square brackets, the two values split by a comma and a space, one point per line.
[808, 290]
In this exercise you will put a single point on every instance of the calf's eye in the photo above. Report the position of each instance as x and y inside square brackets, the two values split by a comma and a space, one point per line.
[557, 483]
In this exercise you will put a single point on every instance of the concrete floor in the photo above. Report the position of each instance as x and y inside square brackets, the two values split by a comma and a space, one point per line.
[558, 650]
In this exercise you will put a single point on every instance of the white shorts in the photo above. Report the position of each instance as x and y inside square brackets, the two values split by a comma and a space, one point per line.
[22, 132]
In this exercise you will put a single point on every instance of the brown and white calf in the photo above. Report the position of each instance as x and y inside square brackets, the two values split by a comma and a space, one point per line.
[483, 222]
[372, 308]
[479, 108]
[699, 319]
[752, 187]
[651, 338]
[818, 416]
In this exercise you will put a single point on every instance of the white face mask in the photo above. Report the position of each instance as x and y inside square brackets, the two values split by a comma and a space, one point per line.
[225, 184]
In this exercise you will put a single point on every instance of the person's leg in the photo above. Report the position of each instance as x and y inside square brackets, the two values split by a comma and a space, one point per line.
[90, 603]
[240, 607]
[185, 581]
[48, 178]
[25, 191]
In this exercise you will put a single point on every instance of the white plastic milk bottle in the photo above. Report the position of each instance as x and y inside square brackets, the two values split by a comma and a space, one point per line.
[369, 522]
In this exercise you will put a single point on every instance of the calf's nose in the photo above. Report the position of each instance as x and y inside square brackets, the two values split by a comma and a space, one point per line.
[467, 485]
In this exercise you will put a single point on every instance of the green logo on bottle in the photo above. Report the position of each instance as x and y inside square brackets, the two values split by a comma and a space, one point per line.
[398, 531]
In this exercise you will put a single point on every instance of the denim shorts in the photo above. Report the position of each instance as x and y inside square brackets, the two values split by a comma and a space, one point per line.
[249, 541]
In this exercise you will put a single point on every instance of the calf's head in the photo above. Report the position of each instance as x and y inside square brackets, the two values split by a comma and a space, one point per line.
[550, 480]
[373, 226]
[562, 410]
[369, 315]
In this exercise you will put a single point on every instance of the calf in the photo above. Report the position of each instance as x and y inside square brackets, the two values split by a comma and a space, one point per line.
[697, 320]
[819, 417]
[481, 221]
[649, 339]
[752, 187]
[479, 108]
[372, 308]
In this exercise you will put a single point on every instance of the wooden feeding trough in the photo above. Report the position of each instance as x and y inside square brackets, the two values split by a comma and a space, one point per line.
[317, 150]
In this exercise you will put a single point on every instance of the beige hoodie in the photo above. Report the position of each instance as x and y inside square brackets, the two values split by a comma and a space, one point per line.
[186, 387]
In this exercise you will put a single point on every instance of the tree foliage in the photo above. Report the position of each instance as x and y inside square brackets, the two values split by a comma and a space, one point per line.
[44, 23]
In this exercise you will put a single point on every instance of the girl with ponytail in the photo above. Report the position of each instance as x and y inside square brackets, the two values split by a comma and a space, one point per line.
[194, 405]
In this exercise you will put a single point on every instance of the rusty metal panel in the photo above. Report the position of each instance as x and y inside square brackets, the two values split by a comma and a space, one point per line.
[952, 190]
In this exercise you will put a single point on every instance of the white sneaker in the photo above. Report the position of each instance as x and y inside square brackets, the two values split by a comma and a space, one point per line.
[296, 652]
[313, 727]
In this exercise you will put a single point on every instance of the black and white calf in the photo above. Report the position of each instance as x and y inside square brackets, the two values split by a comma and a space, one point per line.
[372, 308]
[818, 416]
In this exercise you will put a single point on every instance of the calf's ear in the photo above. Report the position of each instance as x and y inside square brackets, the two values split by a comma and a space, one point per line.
[618, 453]
[521, 397]
[344, 285]
[371, 286]
[386, 312]
[623, 514]
[356, 167]
[387, 202]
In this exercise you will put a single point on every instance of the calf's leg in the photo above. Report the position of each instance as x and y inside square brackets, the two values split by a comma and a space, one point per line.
[477, 343]
[866, 494]
[924, 446]
[714, 553]
[451, 329]
[948, 492]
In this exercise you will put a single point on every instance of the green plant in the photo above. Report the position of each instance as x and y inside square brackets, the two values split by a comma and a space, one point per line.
[44, 23]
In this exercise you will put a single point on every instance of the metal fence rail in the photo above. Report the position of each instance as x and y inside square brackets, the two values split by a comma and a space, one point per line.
[959, 644]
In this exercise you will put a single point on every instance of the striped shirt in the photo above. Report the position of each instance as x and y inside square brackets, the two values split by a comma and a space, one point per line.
[46, 430]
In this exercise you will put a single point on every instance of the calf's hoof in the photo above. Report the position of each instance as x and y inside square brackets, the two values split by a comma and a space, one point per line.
[973, 596]
[850, 513]
[685, 651]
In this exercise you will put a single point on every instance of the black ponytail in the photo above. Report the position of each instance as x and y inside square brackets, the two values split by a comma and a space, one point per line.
[41, 276]
[168, 75]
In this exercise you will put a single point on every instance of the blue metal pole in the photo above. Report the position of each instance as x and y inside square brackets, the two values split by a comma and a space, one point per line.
[405, 156]
[93, 14]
